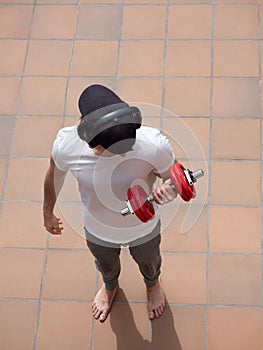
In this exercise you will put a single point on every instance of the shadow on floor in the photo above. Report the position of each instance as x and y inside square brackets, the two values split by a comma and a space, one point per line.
[128, 337]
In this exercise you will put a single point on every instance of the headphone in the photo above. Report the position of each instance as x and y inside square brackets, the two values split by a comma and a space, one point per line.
[95, 122]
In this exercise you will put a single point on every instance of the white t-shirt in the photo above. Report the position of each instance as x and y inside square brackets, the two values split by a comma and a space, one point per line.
[103, 181]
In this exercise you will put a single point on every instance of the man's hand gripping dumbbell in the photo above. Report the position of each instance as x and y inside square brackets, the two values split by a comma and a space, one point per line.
[181, 182]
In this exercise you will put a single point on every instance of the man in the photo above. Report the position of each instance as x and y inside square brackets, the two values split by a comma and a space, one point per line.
[108, 152]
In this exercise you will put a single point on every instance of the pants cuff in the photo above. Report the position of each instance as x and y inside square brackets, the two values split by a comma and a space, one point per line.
[149, 283]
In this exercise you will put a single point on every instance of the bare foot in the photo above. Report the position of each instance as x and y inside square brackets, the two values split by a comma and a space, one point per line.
[156, 301]
[102, 303]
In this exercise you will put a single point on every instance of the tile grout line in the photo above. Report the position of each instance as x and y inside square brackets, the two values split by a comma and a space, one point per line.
[17, 107]
[93, 319]
[164, 63]
[36, 325]
[40, 298]
[188, 77]
[48, 237]
[165, 252]
[261, 138]
[209, 175]
[127, 39]
[140, 4]
[119, 302]
[147, 117]
[121, 5]
[71, 62]
[161, 115]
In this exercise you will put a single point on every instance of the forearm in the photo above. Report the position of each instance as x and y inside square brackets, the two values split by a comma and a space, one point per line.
[50, 196]
[53, 183]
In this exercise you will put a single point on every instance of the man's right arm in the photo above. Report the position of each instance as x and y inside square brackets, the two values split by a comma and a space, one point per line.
[54, 180]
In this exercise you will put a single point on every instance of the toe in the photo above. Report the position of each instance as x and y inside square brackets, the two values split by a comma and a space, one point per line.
[96, 313]
[160, 310]
[151, 315]
[103, 317]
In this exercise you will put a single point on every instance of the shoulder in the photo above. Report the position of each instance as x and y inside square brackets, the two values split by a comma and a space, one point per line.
[151, 135]
[68, 141]
[67, 132]
[148, 132]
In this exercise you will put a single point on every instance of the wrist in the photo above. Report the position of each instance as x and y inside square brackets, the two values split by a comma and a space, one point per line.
[47, 214]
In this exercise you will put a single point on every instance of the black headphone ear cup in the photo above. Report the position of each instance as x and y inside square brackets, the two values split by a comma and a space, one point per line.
[82, 130]
[137, 117]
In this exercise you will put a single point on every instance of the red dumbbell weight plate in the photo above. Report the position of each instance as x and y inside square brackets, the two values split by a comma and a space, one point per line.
[179, 180]
[143, 210]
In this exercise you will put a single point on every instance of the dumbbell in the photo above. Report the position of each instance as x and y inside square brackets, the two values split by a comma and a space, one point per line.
[182, 181]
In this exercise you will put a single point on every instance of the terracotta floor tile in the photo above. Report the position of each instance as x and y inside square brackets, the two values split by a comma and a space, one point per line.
[9, 91]
[234, 328]
[3, 165]
[184, 277]
[237, 2]
[13, 56]
[30, 131]
[190, 2]
[145, 90]
[228, 20]
[77, 85]
[33, 90]
[71, 120]
[60, 19]
[22, 272]
[190, 22]
[68, 240]
[94, 58]
[261, 58]
[125, 328]
[69, 275]
[195, 140]
[239, 232]
[18, 1]
[90, 16]
[180, 327]
[64, 325]
[179, 61]
[261, 26]
[228, 188]
[228, 53]
[14, 228]
[29, 184]
[236, 98]
[73, 236]
[131, 280]
[57, 1]
[149, 58]
[18, 14]
[19, 318]
[153, 122]
[172, 237]
[144, 2]
[228, 137]
[143, 22]
[49, 57]
[134, 68]
[235, 279]
[100, 1]
[179, 91]
[6, 133]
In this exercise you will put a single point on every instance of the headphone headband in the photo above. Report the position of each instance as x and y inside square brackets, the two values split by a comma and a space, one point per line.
[94, 123]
